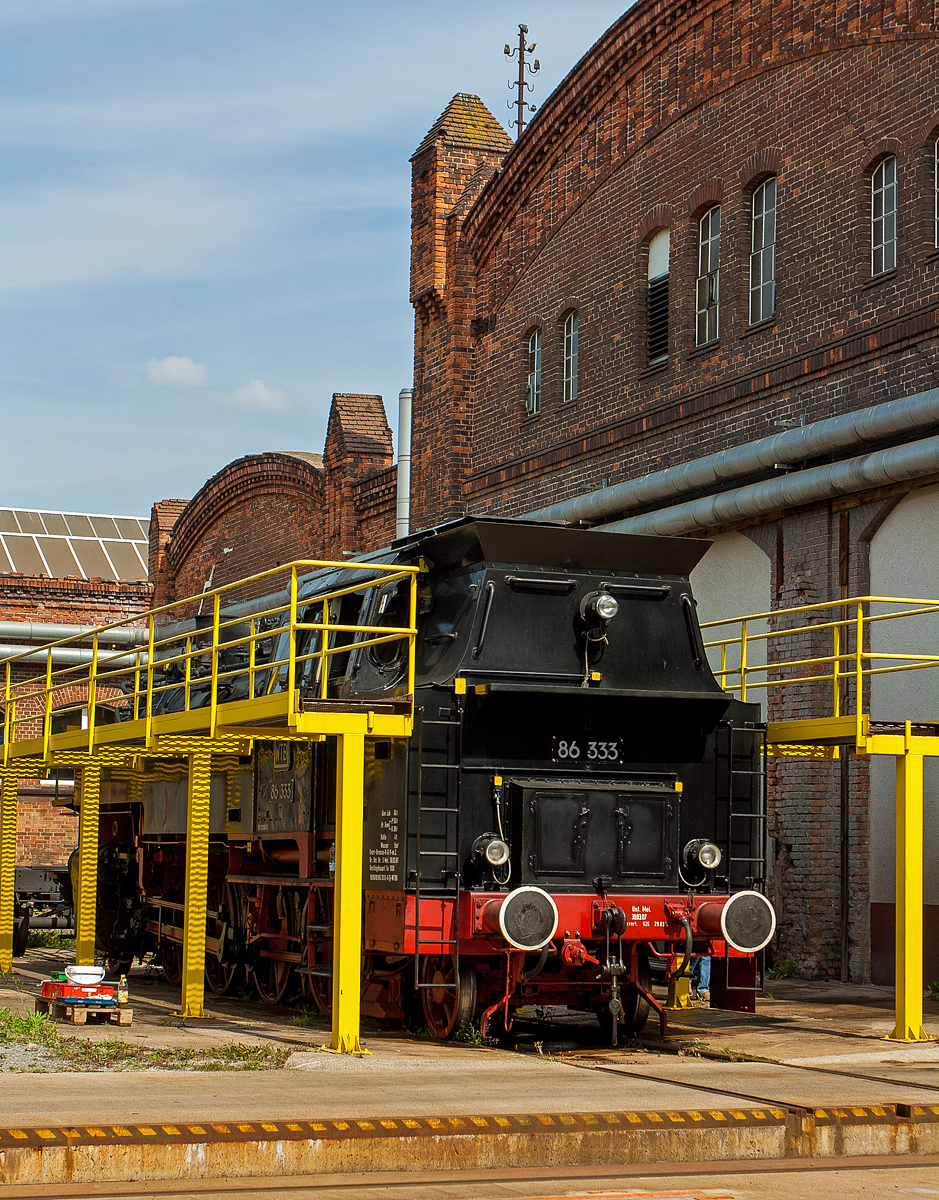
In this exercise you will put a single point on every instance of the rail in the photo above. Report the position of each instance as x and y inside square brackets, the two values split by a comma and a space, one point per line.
[850, 662]
[239, 671]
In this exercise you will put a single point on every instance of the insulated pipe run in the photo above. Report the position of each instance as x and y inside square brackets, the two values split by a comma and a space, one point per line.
[74, 656]
[801, 487]
[794, 446]
[38, 631]
[403, 499]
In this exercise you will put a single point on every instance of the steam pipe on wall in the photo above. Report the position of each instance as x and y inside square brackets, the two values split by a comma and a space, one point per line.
[403, 499]
[39, 631]
[881, 467]
[793, 446]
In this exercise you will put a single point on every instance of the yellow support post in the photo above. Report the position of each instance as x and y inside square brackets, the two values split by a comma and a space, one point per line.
[909, 899]
[197, 884]
[88, 864]
[7, 868]
[347, 914]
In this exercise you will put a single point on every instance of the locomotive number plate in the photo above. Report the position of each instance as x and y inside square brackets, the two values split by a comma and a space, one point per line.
[575, 749]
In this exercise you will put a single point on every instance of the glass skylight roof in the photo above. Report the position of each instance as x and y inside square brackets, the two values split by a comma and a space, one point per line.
[61, 545]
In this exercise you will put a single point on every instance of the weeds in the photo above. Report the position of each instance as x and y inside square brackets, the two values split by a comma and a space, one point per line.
[783, 970]
[307, 1018]
[50, 939]
[81, 1054]
[932, 991]
[469, 1035]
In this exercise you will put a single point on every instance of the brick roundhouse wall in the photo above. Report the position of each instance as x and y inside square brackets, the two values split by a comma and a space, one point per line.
[678, 107]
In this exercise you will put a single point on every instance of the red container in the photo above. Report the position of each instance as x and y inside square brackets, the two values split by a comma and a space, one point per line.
[79, 993]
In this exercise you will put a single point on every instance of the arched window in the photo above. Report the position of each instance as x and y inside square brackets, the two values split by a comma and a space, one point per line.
[570, 356]
[533, 391]
[763, 252]
[935, 182]
[884, 217]
[708, 294]
[657, 298]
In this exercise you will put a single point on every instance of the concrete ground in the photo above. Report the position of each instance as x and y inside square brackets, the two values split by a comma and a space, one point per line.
[824, 1041]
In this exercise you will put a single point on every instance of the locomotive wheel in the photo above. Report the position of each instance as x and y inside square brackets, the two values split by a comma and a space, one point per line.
[636, 1007]
[219, 976]
[281, 921]
[448, 1006]
[171, 960]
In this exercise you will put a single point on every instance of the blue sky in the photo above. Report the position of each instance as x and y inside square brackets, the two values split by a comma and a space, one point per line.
[205, 221]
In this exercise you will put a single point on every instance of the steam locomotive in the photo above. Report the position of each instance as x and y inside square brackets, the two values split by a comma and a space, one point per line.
[579, 797]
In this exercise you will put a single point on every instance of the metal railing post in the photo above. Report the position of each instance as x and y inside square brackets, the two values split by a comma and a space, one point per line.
[909, 898]
[197, 884]
[836, 680]
[292, 648]
[8, 802]
[92, 693]
[743, 661]
[324, 657]
[213, 710]
[252, 649]
[47, 716]
[88, 837]
[859, 668]
[347, 918]
[188, 671]
[6, 718]
[150, 664]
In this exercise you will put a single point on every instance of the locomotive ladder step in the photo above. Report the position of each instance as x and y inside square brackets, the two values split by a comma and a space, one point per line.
[320, 972]
[746, 772]
[426, 766]
[319, 928]
[441, 722]
[439, 853]
[425, 809]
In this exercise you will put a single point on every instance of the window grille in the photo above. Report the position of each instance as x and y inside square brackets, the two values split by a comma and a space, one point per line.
[709, 277]
[533, 391]
[570, 357]
[657, 298]
[884, 217]
[763, 253]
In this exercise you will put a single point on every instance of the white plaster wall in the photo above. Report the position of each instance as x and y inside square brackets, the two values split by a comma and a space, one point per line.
[905, 563]
[734, 579]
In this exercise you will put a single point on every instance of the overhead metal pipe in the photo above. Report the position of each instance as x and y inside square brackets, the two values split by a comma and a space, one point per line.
[41, 631]
[73, 656]
[403, 497]
[793, 446]
[801, 487]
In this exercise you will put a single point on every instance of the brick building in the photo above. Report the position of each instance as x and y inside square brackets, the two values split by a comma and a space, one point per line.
[266, 509]
[722, 225]
[59, 572]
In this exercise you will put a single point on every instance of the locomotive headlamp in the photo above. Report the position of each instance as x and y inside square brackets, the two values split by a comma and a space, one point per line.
[706, 854]
[599, 606]
[491, 849]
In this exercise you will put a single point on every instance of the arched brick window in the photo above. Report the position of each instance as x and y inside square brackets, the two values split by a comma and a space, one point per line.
[708, 293]
[884, 216]
[935, 186]
[571, 338]
[657, 298]
[533, 388]
[763, 251]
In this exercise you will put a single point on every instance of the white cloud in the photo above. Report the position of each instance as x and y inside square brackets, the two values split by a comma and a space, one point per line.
[177, 371]
[256, 397]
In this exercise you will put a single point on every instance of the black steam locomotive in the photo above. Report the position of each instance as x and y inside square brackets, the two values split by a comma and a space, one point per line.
[579, 796]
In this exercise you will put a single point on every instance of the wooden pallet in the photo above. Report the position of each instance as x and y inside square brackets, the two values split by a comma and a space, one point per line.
[78, 1014]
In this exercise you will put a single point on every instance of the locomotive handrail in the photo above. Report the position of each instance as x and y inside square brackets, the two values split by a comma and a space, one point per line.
[849, 665]
[137, 686]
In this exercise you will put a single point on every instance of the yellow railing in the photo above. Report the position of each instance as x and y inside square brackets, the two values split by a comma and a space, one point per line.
[198, 661]
[845, 668]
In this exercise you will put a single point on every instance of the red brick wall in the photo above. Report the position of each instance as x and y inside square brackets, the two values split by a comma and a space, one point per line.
[46, 833]
[681, 105]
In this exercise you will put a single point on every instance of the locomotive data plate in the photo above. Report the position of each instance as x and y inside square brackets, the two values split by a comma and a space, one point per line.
[581, 749]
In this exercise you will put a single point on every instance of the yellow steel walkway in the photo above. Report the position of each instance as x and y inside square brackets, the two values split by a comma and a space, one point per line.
[192, 666]
[764, 654]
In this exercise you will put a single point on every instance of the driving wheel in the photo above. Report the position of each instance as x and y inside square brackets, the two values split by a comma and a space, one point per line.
[448, 1003]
